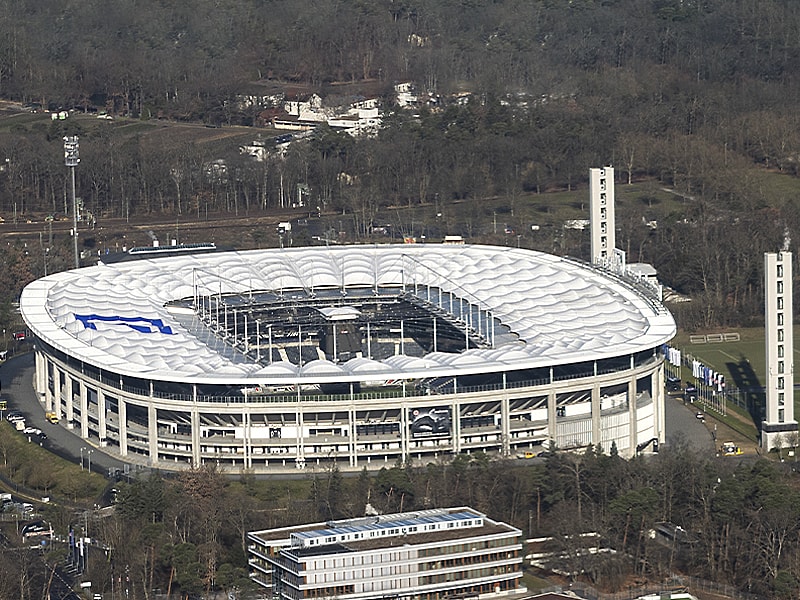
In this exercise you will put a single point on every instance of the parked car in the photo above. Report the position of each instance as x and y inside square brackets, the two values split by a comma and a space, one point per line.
[730, 449]
[673, 384]
[32, 431]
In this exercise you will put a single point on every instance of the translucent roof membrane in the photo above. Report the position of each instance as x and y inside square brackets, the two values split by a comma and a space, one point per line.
[116, 316]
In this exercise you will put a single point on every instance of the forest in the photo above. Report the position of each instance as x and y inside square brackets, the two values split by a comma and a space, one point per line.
[186, 535]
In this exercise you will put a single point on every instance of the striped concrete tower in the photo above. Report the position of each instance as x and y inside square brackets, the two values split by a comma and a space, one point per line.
[779, 425]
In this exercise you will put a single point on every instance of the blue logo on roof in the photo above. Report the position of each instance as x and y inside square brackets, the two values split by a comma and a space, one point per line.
[140, 324]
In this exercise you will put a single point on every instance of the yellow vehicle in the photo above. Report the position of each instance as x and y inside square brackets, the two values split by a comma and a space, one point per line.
[730, 449]
[526, 454]
[51, 416]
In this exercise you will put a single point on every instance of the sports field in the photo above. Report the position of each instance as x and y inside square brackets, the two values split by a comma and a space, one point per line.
[741, 362]
[734, 359]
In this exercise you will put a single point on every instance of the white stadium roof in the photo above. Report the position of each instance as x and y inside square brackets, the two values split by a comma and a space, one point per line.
[115, 316]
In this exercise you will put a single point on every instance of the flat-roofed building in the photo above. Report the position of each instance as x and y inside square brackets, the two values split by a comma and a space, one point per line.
[423, 555]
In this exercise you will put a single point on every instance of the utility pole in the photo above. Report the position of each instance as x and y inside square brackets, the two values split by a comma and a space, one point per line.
[71, 160]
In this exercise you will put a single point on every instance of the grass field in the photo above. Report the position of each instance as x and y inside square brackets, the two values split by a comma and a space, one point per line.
[743, 363]
[744, 359]
[35, 468]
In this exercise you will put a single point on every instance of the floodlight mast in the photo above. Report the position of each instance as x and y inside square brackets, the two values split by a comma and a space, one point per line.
[71, 159]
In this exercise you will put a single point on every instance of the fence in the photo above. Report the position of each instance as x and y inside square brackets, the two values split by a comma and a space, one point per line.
[676, 583]
[751, 400]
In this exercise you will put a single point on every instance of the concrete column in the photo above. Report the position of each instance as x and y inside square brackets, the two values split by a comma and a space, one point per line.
[40, 379]
[351, 420]
[40, 371]
[67, 397]
[404, 449]
[55, 399]
[194, 417]
[152, 433]
[505, 425]
[246, 442]
[47, 364]
[123, 427]
[552, 427]
[194, 421]
[634, 439]
[657, 383]
[70, 408]
[101, 416]
[301, 450]
[455, 410]
[596, 439]
[84, 400]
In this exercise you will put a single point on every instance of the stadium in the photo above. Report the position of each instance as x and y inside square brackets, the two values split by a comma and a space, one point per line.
[354, 356]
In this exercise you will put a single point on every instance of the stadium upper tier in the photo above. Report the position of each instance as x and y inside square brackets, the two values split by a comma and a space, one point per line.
[229, 317]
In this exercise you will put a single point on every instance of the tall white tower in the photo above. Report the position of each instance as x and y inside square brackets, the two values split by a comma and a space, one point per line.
[779, 418]
[601, 213]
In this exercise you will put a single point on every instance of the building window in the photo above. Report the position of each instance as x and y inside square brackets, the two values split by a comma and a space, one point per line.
[780, 302]
[780, 318]
[780, 287]
[780, 383]
[781, 399]
[780, 270]
[780, 366]
[780, 335]
[780, 350]
[780, 415]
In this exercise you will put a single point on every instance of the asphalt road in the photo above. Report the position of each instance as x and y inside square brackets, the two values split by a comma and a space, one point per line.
[16, 377]
[683, 426]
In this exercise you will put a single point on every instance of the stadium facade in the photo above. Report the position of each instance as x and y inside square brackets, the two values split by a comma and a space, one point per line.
[358, 356]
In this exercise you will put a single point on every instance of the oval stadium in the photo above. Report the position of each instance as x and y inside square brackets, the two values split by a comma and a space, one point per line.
[348, 356]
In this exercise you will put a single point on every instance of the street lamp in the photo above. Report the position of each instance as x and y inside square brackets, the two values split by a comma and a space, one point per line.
[82, 449]
[89, 455]
[72, 159]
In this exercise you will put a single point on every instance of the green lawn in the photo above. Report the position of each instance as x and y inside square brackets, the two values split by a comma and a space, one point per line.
[44, 473]
[743, 363]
